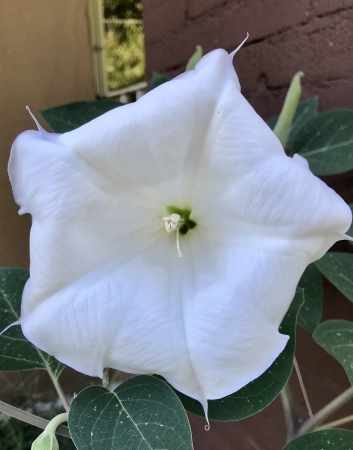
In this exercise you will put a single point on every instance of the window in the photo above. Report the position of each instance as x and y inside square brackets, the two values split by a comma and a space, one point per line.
[118, 48]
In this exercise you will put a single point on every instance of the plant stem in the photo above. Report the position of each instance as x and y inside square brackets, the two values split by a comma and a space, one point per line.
[335, 423]
[302, 387]
[312, 423]
[105, 379]
[290, 415]
[56, 421]
[59, 390]
[30, 418]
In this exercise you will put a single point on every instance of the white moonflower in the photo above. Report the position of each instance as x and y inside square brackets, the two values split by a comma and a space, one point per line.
[189, 168]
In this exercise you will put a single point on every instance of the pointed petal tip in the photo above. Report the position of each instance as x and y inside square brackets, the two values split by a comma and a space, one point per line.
[17, 322]
[204, 404]
[232, 54]
[40, 128]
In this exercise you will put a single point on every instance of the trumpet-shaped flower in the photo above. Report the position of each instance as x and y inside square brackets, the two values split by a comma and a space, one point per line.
[189, 169]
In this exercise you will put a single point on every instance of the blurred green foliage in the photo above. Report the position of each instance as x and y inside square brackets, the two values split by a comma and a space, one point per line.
[124, 9]
[124, 42]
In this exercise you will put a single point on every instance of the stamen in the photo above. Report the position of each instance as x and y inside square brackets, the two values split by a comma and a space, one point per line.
[173, 223]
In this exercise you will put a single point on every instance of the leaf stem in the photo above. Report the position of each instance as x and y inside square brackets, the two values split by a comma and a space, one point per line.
[335, 423]
[290, 415]
[59, 390]
[312, 423]
[31, 418]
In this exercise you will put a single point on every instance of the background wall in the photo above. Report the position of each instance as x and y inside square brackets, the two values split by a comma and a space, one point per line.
[45, 61]
[315, 36]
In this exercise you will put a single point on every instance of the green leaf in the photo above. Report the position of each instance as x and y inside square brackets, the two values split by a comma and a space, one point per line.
[336, 337]
[310, 313]
[142, 413]
[255, 396]
[323, 440]
[68, 117]
[157, 80]
[16, 352]
[338, 268]
[306, 110]
[326, 141]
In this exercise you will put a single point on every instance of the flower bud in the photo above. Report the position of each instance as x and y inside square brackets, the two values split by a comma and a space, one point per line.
[46, 441]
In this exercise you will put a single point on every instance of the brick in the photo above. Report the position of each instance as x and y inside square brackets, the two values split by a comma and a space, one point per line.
[323, 50]
[266, 103]
[322, 7]
[196, 8]
[320, 45]
[263, 17]
[225, 28]
[333, 94]
[162, 17]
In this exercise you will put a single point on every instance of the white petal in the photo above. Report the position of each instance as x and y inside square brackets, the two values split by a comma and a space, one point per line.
[159, 140]
[80, 218]
[278, 199]
[193, 320]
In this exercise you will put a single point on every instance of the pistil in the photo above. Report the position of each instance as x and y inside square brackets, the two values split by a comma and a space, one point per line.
[173, 223]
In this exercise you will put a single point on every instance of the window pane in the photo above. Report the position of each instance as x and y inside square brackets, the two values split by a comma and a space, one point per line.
[124, 43]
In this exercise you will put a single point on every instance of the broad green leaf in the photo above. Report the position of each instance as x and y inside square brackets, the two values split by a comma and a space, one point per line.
[16, 352]
[326, 142]
[323, 440]
[255, 396]
[157, 80]
[306, 110]
[310, 313]
[336, 337]
[142, 413]
[68, 117]
[338, 268]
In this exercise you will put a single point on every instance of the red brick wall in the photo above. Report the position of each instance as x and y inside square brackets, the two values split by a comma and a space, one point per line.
[315, 36]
